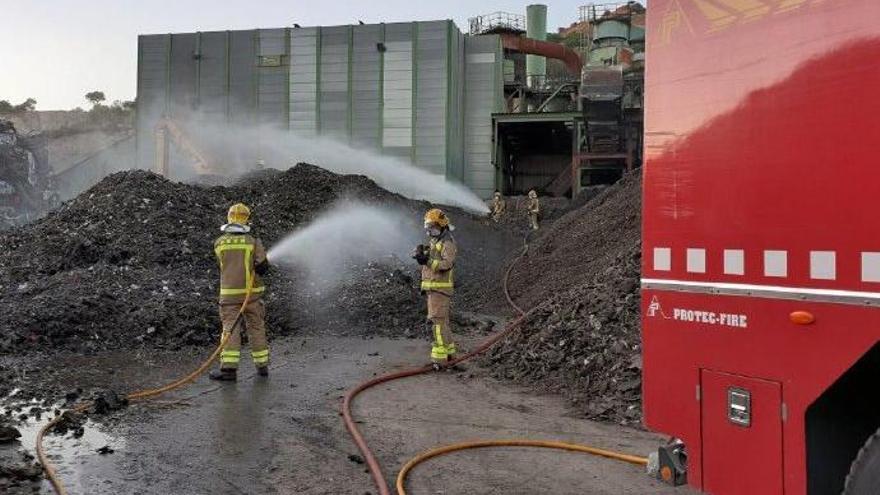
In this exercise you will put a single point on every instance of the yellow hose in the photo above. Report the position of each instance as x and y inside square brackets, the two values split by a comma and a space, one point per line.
[545, 444]
[52, 476]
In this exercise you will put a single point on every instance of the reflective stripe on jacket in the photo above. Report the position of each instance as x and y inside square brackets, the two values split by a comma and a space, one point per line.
[437, 274]
[238, 254]
[533, 206]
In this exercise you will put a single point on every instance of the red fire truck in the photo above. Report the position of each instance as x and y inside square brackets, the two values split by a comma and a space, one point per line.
[761, 271]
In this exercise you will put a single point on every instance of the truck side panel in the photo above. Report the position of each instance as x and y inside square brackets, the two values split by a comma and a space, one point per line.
[760, 185]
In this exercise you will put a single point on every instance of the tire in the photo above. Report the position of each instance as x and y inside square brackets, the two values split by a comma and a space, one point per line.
[864, 472]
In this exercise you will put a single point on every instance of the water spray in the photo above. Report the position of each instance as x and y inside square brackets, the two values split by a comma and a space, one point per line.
[350, 233]
[241, 146]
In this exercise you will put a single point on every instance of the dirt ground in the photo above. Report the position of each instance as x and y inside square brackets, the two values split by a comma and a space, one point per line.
[284, 435]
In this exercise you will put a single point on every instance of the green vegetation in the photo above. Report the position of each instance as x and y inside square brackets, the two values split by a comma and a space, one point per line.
[28, 105]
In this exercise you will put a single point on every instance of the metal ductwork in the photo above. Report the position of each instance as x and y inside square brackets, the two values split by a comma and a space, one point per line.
[547, 49]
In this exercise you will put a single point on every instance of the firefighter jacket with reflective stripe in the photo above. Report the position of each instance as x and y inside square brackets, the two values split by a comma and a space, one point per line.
[238, 255]
[437, 273]
[533, 206]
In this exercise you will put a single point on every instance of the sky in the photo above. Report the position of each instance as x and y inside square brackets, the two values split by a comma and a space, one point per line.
[56, 51]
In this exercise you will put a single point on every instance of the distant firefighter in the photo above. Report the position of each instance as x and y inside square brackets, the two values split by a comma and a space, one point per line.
[499, 204]
[533, 208]
[437, 259]
[242, 260]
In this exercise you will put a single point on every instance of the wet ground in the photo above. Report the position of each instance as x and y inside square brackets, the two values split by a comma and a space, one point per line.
[284, 435]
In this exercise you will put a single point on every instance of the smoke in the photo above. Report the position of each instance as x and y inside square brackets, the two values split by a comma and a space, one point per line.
[348, 235]
[235, 150]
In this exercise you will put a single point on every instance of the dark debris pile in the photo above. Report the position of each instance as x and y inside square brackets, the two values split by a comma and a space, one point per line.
[130, 262]
[584, 340]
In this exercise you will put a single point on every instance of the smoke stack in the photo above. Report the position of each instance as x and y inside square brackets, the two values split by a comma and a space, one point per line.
[536, 28]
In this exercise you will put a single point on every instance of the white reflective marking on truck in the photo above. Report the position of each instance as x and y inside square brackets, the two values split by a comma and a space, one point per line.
[763, 288]
[662, 259]
[870, 267]
[734, 262]
[823, 265]
[775, 263]
[696, 260]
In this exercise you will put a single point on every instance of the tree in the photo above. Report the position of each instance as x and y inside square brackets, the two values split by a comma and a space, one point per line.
[95, 97]
[28, 105]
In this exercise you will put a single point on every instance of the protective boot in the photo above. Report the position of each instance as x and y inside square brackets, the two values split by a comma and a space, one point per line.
[224, 375]
[263, 371]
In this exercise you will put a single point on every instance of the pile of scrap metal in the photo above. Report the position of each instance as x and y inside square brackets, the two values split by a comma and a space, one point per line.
[26, 186]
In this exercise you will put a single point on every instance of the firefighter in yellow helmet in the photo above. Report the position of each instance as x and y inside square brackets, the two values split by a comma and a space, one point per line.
[437, 259]
[242, 260]
[498, 206]
[533, 208]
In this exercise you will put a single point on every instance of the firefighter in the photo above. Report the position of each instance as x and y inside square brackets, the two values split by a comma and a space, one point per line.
[437, 259]
[498, 206]
[533, 208]
[242, 260]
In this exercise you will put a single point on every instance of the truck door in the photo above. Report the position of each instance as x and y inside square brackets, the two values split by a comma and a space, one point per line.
[742, 434]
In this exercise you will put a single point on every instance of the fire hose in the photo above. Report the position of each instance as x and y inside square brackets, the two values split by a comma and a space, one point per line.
[52, 476]
[373, 464]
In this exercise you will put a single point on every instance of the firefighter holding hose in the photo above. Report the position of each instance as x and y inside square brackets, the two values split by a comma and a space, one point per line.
[498, 206]
[242, 260]
[437, 259]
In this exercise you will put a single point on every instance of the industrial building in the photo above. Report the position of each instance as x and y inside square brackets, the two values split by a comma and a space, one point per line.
[482, 108]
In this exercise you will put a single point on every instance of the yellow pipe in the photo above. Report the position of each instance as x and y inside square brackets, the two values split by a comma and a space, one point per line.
[545, 444]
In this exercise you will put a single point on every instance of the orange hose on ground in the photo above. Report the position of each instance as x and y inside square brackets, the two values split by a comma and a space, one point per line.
[370, 459]
[348, 400]
[52, 476]
[456, 447]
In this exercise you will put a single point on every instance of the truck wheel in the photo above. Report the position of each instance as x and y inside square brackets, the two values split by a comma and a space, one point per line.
[864, 473]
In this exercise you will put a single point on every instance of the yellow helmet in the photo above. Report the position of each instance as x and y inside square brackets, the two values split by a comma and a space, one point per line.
[238, 213]
[437, 217]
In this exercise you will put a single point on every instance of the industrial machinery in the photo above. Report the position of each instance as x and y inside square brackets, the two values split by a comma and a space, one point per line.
[761, 266]
[168, 131]
[26, 185]
[610, 94]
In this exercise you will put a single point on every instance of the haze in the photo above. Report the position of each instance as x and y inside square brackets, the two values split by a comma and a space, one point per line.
[59, 50]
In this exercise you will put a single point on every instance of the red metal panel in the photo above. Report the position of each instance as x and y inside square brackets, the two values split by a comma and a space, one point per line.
[754, 451]
[761, 134]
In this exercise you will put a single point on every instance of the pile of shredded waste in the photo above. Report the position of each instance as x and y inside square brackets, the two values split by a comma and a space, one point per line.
[583, 339]
[130, 262]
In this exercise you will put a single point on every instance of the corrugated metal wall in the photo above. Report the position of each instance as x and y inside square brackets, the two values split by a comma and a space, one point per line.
[272, 73]
[421, 91]
[304, 80]
[212, 76]
[366, 82]
[483, 80]
[333, 85]
[431, 96]
[152, 84]
[242, 77]
[397, 91]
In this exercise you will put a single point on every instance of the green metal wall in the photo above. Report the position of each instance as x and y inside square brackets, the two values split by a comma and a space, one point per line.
[420, 91]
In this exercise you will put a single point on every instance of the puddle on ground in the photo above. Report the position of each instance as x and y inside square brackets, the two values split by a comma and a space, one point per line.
[69, 452]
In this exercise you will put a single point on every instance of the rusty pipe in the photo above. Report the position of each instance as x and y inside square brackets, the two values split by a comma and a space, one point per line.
[548, 49]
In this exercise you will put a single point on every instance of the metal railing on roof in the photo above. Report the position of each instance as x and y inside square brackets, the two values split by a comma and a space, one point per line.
[497, 21]
[610, 10]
